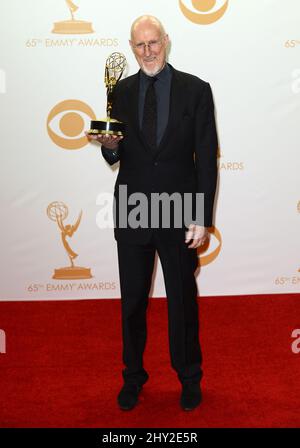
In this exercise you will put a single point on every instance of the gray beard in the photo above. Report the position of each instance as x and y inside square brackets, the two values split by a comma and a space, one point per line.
[153, 73]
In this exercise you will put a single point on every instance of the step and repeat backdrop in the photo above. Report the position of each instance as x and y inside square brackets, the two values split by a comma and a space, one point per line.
[56, 187]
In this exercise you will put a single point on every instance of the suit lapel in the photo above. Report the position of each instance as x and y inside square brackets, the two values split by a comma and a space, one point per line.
[133, 103]
[177, 95]
[133, 92]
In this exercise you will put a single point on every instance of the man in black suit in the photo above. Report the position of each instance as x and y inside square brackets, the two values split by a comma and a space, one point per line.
[169, 146]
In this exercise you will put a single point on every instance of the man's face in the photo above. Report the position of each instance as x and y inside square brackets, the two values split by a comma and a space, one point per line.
[151, 58]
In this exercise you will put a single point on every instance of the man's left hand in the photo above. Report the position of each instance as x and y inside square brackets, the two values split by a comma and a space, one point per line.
[198, 235]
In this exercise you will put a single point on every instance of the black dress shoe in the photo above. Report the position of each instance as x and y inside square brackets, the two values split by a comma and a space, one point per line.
[128, 396]
[191, 396]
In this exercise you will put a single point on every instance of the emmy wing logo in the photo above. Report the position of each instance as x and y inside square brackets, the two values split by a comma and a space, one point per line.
[58, 212]
[203, 12]
[210, 257]
[72, 26]
[70, 118]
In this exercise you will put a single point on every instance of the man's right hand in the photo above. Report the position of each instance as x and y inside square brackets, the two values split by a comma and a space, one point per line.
[107, 140]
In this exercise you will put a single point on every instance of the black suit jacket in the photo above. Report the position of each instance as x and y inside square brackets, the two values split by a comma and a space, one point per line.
[184, 162]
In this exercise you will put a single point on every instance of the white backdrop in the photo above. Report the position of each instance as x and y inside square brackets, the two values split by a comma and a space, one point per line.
[251, 57]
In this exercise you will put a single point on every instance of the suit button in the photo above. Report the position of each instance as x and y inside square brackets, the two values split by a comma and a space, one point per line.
[155, 163]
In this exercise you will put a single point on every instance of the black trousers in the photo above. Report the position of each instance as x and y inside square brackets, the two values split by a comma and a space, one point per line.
[136, 263]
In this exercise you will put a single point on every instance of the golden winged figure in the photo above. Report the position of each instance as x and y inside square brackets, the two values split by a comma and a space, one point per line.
[71, 7]
[68, 230]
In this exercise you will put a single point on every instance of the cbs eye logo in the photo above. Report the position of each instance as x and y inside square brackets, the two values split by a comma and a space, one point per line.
[203, 12]
[215, 242]
[70, 118]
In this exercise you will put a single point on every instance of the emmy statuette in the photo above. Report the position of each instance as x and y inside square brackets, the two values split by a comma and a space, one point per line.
[114, 68]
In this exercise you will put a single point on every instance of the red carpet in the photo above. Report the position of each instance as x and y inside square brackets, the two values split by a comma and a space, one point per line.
[62, 366]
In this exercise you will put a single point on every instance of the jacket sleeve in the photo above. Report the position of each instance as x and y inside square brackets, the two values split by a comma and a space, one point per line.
[111, 155]
[206, 148]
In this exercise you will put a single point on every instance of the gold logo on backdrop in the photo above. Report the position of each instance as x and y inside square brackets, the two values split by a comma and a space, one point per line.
[227, 165]
[58, 212]
[72, 26]
[71, 124]
[291, 43]
[210, 257]
[206, 13]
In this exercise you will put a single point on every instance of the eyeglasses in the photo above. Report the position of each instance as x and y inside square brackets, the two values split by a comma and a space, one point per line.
[152, 45]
